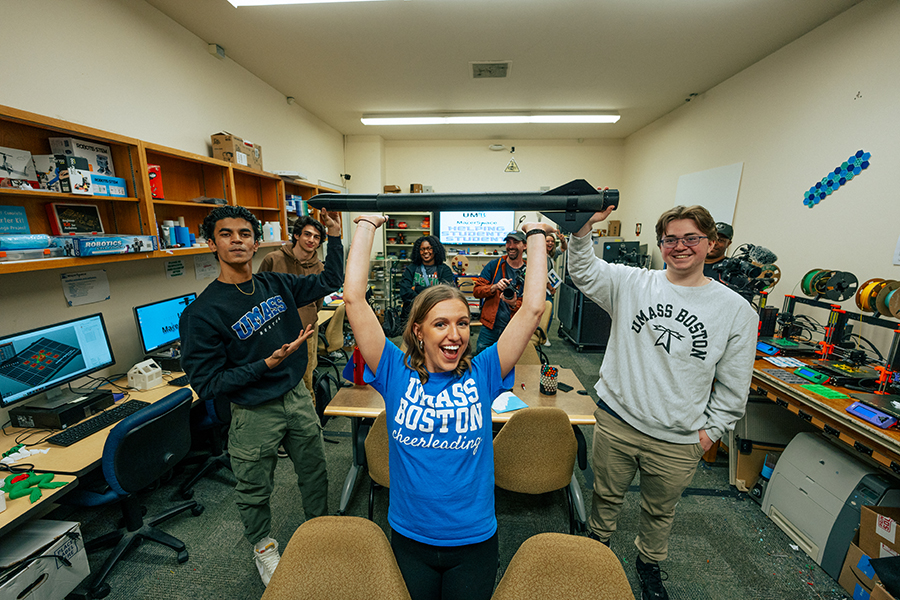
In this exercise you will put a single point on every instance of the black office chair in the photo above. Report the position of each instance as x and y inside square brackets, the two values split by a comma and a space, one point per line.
[215, 420]
[139, 450]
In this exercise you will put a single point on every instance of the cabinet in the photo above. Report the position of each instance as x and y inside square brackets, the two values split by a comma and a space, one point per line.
[185, 176]
[401, 231]
[581, 321]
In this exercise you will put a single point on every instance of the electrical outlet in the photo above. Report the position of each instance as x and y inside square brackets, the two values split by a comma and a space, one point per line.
[427, 189]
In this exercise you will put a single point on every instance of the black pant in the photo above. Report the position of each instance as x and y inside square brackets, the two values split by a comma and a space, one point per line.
[447, 572]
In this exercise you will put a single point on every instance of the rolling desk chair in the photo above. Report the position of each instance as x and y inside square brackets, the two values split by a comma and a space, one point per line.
[215, 420]
[139, 450]
[534, 453]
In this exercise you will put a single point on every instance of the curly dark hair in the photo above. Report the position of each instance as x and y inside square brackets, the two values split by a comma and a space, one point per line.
[440, 255]
[208, 228]
[302, 222]
[421, 306]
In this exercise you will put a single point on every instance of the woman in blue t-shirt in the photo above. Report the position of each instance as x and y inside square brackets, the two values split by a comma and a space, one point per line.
[438, 402]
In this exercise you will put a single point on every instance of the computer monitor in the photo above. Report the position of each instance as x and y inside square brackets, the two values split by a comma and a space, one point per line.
[43, 360]
[475, 228]
[157, 323]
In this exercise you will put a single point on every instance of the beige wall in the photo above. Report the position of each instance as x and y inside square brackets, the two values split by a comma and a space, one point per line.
[121, 66]
[790, 119]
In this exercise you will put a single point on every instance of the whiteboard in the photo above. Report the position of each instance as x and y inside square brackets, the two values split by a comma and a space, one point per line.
[714, 189]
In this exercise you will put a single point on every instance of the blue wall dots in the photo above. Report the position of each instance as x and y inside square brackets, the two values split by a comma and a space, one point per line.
[854, 165]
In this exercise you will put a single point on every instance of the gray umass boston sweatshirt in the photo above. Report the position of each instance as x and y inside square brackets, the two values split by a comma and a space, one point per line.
[667, 346]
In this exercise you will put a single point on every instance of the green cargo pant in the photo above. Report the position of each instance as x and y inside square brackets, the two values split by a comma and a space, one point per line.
[253, 440]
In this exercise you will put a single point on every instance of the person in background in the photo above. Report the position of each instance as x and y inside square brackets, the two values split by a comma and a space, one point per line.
[717, 249]
[500, 289]
[552, 253]
[301, 258]
[426, 269]
[674, 379]
[242, 339]
[438, 402]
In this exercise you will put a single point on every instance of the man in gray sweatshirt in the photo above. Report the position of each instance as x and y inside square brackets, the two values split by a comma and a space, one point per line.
[674, 379]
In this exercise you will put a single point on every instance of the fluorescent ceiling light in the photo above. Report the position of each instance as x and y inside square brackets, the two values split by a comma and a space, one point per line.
[239, 3]
[487, 119]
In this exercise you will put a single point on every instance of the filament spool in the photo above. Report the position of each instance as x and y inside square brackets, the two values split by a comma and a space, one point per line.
[893, 303]
[769, 272]
[806, 284]
[866, 294]
[881, 299]
[840, 286]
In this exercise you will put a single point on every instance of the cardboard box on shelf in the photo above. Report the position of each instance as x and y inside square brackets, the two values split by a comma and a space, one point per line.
[17, 169]
[156, 185]
[74, 175]
[392, 189]
[104, 185]
[229, 147]
[614, 228]
[415, 188]
[47, 170]
[49, 578]
[98, 156]
[95, 245]
[878, 531]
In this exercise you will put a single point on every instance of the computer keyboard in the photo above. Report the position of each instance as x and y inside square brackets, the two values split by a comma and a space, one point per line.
[81, 430]
[179, 381]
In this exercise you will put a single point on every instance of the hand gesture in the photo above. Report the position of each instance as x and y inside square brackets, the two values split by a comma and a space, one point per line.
[376, 220]
[287, 349]
[331, 223]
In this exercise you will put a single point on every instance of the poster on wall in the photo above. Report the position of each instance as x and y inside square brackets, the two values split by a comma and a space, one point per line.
[715, 189]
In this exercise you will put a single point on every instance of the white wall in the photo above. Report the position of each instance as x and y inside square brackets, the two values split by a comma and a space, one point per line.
[790, 119]
[122, 66]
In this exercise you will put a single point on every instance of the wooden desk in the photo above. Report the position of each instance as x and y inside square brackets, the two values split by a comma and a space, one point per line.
[830, 415]
[81, 457]
[20, 510]
[363, 402]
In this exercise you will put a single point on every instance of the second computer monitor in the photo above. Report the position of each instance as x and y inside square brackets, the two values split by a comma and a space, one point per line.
[157, 322]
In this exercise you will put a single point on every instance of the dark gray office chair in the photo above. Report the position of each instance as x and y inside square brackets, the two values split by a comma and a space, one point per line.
[215, 420]
[139, 450]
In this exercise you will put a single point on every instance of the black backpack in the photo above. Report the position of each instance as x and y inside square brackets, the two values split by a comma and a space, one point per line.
[393, 322]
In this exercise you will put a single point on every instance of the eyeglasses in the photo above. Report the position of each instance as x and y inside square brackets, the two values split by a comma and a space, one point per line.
[689, 240]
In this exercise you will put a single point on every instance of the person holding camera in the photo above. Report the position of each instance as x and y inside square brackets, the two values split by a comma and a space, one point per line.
[500, 287]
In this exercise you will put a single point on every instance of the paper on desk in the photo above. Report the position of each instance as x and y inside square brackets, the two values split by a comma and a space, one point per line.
[825, 392]
[506, 402]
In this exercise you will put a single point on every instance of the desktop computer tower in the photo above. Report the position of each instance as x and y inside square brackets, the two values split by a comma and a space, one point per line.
[815, 495]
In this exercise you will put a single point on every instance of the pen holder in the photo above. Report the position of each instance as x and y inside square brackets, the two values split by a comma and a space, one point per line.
[549, 377]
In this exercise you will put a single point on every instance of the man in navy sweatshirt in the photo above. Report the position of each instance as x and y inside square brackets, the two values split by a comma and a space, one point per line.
[240, 341]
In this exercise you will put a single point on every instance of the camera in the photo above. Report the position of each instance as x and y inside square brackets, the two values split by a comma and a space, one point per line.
[512, 289]
[345, 176]
[509, 293]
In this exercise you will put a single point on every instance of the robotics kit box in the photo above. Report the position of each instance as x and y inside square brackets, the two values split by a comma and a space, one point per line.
[17, 169]
[96, 245]
[47, 172]
[98, 156]
[74, 175]
[104, 185]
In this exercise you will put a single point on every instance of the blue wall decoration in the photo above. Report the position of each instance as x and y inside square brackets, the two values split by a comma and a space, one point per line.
[854, 165]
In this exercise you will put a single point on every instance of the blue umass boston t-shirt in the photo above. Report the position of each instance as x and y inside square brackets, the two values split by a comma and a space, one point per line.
[440, 448]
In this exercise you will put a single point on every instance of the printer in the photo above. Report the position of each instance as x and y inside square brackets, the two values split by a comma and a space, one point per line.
[815, 495]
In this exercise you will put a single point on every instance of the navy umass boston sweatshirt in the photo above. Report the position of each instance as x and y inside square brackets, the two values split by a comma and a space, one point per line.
[226, 335]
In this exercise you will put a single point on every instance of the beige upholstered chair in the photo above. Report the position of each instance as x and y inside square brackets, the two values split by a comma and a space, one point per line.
[333, 339]
[556, 565]
[377, 458]
[540, 334]
[534, 453]
[529, 356]
[337, 557]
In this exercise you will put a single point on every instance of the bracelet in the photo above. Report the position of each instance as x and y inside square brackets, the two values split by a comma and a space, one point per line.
[535, 232]
[361, 220]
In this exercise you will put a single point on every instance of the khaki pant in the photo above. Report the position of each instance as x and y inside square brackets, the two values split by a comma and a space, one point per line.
[666, 470]
[253, 439]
